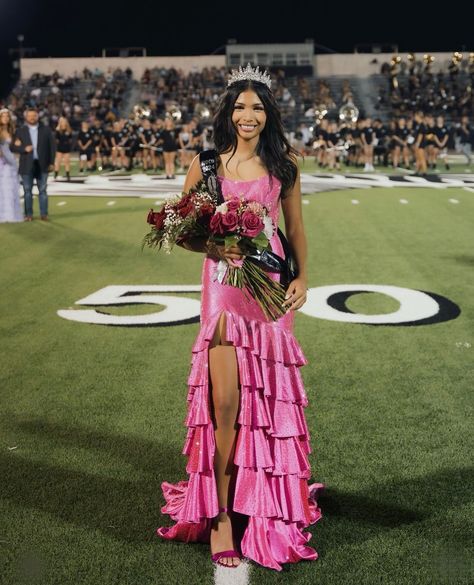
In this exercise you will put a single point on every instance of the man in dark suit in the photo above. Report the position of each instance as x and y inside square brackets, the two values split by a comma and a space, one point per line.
[37, 148]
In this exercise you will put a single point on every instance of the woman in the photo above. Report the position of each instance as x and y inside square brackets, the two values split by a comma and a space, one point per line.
[442, 138]
[247, 440]
[184, 141]
[367, 137]
[432, 150]
[420, 143]
[170, 146]
[400, 144]
[85, 147]
[333, 141]
[10, 208]
[64, 145]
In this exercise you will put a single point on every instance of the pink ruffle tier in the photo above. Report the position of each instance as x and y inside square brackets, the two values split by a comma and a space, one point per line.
[271, 451]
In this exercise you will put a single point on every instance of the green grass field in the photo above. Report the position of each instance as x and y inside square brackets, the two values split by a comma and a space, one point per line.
[92, 417]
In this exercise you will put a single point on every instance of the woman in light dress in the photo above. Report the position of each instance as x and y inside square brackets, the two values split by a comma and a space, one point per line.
[10, 208]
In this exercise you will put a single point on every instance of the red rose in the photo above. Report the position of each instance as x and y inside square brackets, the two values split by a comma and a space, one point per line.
[206, 209]
[252, 225]
[233, 204]
[216, 226]
[186, 210]
[151, 216]
[205, 213]
[230, 220]
[159, 219]
[156, 218]
[185, 205]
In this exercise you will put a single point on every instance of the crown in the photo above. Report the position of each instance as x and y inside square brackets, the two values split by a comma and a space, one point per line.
[249, 73]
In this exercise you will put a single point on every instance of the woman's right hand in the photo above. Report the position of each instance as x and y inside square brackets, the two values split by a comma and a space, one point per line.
[229, 254]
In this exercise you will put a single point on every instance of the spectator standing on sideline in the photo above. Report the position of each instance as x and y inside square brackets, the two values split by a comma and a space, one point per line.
[85, 146]
[368, 140]
[170, 146]
[442, 138]
[466, 136]
[37, 148]
[10, 208]
[64, 145]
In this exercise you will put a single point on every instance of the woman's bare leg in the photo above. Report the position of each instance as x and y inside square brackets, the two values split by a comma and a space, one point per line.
[225, 401]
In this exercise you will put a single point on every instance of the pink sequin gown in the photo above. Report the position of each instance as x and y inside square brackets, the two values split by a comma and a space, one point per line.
[273, 442]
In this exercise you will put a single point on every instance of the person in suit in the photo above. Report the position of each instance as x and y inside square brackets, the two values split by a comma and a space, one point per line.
[36, 146]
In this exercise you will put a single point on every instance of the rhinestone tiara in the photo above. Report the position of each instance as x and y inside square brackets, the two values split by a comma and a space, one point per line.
[249, 73]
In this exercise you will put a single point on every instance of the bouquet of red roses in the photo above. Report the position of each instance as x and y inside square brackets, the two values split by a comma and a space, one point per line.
[236, 220]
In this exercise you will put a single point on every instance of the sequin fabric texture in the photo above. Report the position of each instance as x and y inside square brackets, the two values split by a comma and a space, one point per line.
[273, 441]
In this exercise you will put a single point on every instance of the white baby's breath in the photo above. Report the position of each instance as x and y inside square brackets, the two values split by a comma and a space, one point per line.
[222, 208]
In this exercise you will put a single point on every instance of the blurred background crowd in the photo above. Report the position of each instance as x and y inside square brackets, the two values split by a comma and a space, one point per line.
[110, 121]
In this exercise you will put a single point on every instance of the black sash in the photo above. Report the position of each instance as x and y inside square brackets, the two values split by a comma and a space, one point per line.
[266, 258]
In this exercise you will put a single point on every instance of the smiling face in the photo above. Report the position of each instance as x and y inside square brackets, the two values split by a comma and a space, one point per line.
[248, 116]
[32, 117]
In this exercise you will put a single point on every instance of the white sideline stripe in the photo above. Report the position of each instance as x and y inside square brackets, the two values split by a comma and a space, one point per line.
[453, 200]
[355, 201]
[61, 203]
[305, 201]
[144, 186]
[111, 202]
[468, 189]
[233, 576]
[404, 201]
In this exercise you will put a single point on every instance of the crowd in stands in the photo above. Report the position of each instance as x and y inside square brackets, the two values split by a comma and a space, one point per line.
[92, 93]
[414, 86]
[415, 142]
[91, 116]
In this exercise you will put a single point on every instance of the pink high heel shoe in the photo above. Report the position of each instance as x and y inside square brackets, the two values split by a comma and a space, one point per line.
[225, 553]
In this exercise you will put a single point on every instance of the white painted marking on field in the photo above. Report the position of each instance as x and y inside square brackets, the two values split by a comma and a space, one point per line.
[233, 575]
[61, 203]
[159, 202]
[305, 201]
[109, 203]
[468, 189]
[404, 201]
[355, 201]
[453, 200]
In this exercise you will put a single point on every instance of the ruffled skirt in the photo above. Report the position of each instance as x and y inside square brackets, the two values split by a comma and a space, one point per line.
[271, 453]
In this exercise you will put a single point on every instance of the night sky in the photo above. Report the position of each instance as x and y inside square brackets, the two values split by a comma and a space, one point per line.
[84, 27]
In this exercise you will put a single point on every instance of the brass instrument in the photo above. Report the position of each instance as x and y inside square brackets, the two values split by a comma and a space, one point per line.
[173, 111]
[456, 60]
[320, 110]
[202, 111]
[348, 113]
[394, 70]
[140, 112]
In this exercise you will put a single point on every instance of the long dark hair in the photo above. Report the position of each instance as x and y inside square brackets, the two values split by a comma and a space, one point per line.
[273, 147]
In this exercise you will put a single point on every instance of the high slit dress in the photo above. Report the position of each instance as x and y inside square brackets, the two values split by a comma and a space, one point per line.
[273, 442]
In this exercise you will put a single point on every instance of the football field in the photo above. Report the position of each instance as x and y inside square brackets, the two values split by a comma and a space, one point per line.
[93, 395]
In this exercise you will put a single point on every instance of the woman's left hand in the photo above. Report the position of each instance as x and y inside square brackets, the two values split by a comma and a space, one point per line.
[296, 293]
